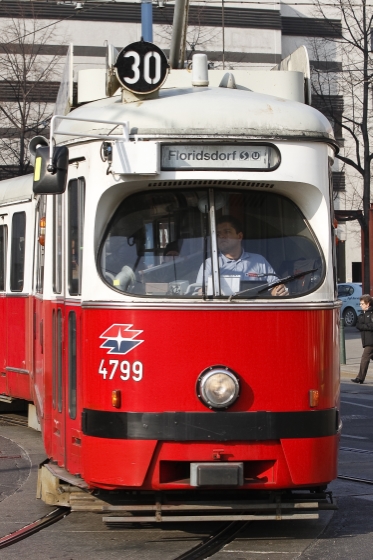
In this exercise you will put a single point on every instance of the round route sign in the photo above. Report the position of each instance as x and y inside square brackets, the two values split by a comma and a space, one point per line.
[141, 67]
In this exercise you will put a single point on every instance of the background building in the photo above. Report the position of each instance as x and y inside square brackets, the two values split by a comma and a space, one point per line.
[253, 36]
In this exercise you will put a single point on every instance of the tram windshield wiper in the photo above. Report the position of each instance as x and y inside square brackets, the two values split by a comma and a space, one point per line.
[270, 285]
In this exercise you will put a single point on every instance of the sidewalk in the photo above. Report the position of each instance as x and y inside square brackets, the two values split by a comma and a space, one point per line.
[354, 351]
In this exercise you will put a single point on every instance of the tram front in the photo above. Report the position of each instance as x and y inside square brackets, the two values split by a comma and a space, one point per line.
[214, 343]
[209, 312]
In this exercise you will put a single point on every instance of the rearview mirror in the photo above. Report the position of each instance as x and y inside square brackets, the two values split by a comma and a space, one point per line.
[54, 181]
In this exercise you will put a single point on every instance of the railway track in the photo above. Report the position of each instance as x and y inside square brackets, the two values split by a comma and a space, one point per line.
[209, 546]
[214, 542]
[228, 533]
[34, 527]
[355, 479]
[13, 419]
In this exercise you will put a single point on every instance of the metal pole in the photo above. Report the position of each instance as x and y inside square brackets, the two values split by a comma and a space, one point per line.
[147, 20]
[342, 343]
[223, 31]
[177, 30]
[184, 35]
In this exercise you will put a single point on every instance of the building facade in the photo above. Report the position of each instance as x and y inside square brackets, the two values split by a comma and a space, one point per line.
[236, 36]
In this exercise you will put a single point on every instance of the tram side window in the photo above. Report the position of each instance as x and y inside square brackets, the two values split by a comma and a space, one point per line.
[57, 243]
[57, 397]
[76, 192]
[17, 262]
[72, 365]
[3, 242]
[54, 358]
[41, 244]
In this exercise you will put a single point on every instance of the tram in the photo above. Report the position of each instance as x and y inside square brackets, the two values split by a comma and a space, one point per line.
[168, 293]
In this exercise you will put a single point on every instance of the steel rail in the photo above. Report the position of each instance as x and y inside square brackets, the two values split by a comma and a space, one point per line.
[214, 542]
[354, 479]
[34, 527]
[14, 420]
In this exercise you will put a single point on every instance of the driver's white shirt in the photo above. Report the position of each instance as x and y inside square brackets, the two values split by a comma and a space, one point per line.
[250, 267]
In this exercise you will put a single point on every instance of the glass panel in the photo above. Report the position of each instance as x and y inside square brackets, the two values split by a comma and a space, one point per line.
[72, 365]
[262, 238]
[18, 252]
[189, 157]
[57, 243]
[76, 223]
[156, 242]
[3, 239]
[54, 358]
[59, 360]
[41, 213]
[158, 245]
[345, 291]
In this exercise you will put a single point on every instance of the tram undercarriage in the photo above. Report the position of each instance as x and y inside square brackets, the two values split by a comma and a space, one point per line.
[57, 487]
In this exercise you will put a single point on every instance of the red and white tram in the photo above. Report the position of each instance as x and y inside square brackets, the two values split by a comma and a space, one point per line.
[160, 359]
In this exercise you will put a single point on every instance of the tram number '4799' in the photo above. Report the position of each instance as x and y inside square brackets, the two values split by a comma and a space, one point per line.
[125, 370]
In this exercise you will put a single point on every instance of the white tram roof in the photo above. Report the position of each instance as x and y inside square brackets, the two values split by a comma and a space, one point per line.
[16, 190]
[201, 111]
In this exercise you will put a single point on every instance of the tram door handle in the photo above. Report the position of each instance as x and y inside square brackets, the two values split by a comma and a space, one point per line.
[41, 336]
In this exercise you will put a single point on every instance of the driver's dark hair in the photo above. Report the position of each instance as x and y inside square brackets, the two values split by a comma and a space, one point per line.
[231, 220]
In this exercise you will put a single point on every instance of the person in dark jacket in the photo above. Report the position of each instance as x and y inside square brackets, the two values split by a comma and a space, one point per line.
[365, 325]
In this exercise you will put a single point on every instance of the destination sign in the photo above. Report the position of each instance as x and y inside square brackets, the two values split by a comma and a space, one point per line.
[202, 156]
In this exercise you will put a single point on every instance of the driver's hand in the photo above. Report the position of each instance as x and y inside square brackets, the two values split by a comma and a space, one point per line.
[280, 290]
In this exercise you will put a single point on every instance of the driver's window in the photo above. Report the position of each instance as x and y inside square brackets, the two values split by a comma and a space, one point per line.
[156, 242]
[160, 244]
[262, 238]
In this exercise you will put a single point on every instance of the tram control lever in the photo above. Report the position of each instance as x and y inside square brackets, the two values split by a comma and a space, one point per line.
[270, 285]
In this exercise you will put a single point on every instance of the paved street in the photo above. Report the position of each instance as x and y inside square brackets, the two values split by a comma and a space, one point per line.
[354, 350]
[346, 534]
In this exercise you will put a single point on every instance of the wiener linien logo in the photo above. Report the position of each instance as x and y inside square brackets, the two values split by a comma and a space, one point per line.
[120, 339]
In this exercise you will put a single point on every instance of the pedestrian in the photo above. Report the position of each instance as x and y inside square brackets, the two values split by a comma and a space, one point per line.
[365, 325]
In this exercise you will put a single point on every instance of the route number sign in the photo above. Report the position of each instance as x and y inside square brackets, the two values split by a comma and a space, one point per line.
[141, 67]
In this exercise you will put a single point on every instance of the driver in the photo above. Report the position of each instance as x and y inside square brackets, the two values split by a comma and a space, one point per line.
[233, 260]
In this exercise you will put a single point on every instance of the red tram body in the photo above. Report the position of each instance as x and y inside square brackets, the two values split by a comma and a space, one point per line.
[118, 345]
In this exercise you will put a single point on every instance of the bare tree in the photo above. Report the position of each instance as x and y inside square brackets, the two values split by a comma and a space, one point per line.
[28, 87]
[349, 23]
[198, 38]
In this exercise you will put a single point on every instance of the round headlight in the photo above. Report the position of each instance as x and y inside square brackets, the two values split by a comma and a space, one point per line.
[218, 387]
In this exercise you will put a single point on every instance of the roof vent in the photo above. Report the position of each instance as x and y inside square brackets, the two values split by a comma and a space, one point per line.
[200, 77]
[228, 81]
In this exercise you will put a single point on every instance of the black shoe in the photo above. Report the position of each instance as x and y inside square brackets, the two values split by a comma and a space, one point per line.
[357, 380]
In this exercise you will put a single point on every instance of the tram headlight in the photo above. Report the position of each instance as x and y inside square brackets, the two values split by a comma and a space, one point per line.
[218, 387]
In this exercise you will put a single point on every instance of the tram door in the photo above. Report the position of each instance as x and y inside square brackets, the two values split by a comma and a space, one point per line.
[39, 327]
[73, 322]
[68, 223]
[3, 322]
[17, 300]
[57, 318]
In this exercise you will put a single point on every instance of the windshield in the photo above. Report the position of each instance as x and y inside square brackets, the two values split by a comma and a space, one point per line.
[210, 243]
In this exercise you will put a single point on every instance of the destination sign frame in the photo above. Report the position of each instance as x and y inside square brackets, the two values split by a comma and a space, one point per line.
[220, 156]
